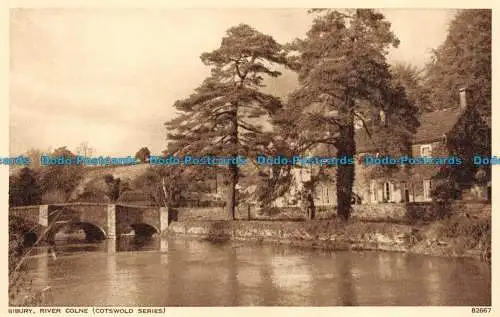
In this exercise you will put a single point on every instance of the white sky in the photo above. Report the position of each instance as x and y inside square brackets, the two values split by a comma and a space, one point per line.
[110, 77]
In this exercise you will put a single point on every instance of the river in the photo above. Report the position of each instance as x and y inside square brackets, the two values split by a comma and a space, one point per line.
[188, 272]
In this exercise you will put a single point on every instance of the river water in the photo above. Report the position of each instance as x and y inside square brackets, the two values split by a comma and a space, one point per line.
[187, 272]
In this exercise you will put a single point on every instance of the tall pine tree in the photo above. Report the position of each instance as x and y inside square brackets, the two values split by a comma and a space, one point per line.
[344, 80]
[222, 116]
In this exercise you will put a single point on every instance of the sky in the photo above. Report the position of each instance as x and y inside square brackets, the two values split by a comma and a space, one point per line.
[109, 77]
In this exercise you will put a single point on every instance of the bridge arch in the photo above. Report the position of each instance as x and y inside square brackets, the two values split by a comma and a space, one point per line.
[29, 239]
[93, 232]
[144, 229]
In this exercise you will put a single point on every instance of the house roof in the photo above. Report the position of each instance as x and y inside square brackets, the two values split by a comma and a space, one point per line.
[433, 126]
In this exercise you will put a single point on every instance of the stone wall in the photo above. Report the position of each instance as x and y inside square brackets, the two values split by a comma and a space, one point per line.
[246, 212]
[418, 211]
[472, 207]
[326, 234]
[28, 213]
[454, 237]
[429, 211]
[194, 213]
[389, 212]
[380, 212]
[290, 213]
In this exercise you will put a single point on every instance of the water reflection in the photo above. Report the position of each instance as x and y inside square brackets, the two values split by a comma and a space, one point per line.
[127, 243]
[347, 286]
[186, 272]
[291, 274]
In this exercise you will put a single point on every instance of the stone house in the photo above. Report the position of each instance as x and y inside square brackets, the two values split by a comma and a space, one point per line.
[409, 183]
[406, 184]
[415, 183]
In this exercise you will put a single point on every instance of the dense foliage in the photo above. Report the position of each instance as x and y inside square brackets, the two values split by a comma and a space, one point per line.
[24, 188]
[345, 80]
[221, 117]
[143, 155]
[464, 61]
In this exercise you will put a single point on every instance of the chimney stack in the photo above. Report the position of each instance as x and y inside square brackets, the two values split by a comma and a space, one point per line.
[464, 98]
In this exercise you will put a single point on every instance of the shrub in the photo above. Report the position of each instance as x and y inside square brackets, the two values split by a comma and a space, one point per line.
[477, 232]
[426, 212]
[21, 290]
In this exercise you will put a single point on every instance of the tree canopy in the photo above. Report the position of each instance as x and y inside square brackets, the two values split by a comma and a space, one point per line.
[345, 80]
[220, 117]
[412, 79]
[463, 60]
[24, 188]
[62, 178]
[143, 155]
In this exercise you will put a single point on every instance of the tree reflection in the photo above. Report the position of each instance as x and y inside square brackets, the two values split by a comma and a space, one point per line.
[233, 285]
[347, 286]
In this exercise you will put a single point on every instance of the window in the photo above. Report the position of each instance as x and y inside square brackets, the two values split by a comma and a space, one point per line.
[373, 191]
[301, 173]
[405, 191]
[382, 117]
[305, 174]
[426, 150]
[387, 191]
[427, 189]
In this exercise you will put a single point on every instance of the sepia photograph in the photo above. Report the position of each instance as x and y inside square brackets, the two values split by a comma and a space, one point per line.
[241, 157]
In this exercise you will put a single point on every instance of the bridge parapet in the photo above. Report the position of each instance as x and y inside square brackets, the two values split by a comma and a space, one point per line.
[111, 219]
[29, 213]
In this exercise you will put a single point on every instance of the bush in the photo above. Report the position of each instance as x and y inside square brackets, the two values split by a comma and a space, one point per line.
[21, 291]
[474, 233]
[24, 189]
[427, 212]
[94, 195]
[413, 237]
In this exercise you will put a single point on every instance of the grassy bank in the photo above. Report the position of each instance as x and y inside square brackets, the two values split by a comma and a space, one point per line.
[453, 237]
[21, 290]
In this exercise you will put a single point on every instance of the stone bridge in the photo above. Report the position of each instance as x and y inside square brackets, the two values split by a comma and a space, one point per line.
[98, 221]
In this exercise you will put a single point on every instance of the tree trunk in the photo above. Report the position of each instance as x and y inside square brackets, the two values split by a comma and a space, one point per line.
[345, 173]
[311, 209]
[233, 168]
[231, 195]
[312, 212]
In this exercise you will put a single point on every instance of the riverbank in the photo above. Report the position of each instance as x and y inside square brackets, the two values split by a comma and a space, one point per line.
[457, 236]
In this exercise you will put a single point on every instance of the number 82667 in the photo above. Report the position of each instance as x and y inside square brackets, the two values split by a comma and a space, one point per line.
[480, 310]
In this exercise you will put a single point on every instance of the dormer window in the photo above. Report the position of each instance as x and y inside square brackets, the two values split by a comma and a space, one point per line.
[426, 150]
